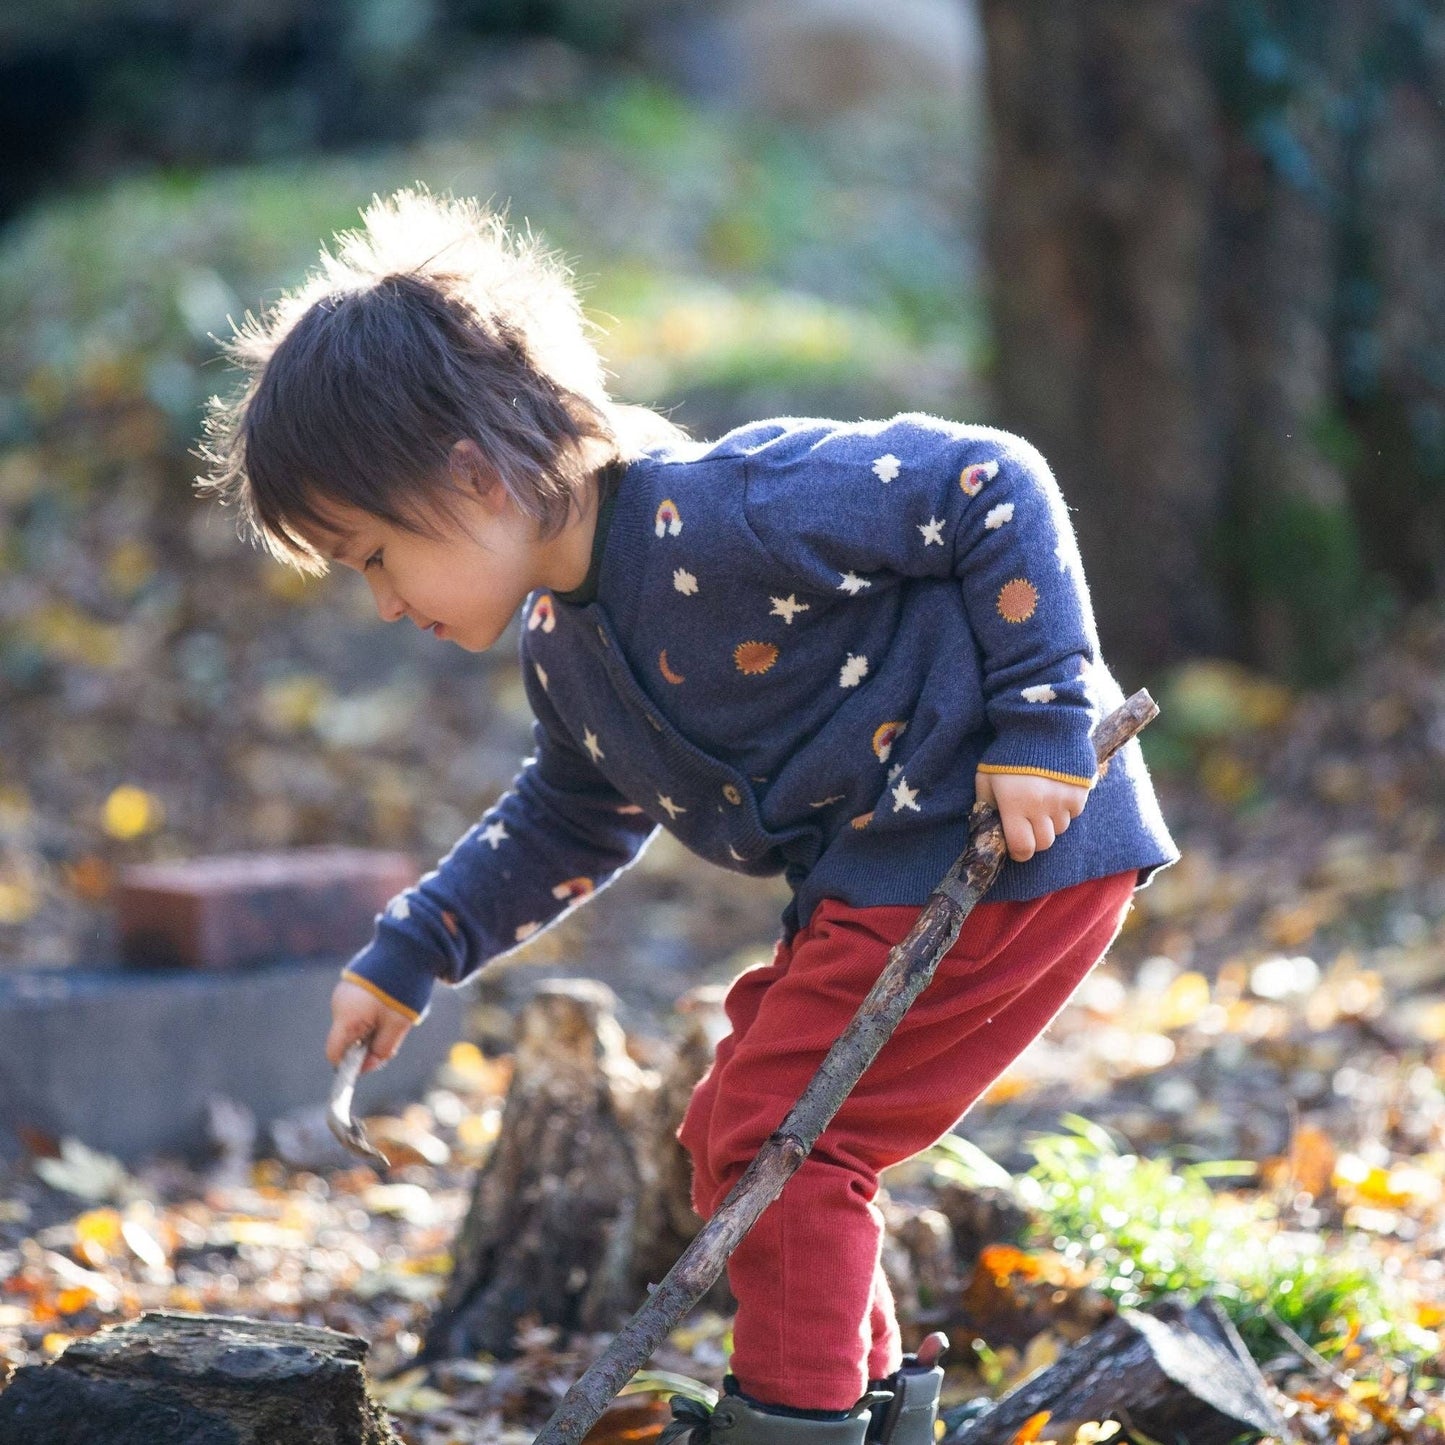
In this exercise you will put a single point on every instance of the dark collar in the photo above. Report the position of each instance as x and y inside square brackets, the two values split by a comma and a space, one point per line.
[609, 480]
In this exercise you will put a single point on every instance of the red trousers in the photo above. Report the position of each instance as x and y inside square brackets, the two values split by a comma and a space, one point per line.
[815, 1318]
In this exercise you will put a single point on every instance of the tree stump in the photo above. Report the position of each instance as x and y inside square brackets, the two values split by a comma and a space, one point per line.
[584, 1199]
[202, 1379]
[1175, 1373]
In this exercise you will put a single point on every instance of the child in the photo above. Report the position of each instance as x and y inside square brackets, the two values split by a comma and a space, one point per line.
[805, 648]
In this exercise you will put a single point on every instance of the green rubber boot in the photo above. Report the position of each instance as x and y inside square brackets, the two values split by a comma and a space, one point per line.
[738, 1421]
[910, 1416]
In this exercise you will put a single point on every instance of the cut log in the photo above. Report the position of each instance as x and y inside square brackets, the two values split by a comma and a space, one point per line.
[204, 1379]
[1175, 1373]
[584, 1199]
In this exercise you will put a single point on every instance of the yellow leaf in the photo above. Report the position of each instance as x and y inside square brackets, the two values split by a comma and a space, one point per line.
[97, 1235]
[1184, 1001]
[131, 564]
[291, 704]
[132, 812]
[19, 899]
[66, 632]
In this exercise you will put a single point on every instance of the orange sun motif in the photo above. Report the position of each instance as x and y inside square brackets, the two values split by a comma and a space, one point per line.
[1017, 600]
[667, 672]
[753, 658]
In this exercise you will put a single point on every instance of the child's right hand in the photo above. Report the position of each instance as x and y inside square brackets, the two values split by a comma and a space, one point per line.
[357, 1014]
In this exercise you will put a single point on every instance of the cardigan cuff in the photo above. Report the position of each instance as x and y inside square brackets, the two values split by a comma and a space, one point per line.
[1065, 760]
[393, 974]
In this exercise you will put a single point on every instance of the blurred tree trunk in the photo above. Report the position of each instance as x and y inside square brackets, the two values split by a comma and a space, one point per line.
[1214, 232]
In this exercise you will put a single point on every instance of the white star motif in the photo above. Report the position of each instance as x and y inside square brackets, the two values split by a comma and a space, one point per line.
[886, 467]
[787, 607]
[399, 908]
[673, 809]
[589, 741]
[525, 930]
[853, 584]
[494, 832]
[1042, 693]
[853, 671]
[541, 674]
[1002, 513]
[905, 797]
[932, 531]
[684, 581]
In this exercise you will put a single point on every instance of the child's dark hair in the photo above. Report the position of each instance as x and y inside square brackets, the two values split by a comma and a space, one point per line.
[429, 325]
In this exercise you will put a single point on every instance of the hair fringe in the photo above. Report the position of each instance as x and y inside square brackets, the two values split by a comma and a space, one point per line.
[517, 291]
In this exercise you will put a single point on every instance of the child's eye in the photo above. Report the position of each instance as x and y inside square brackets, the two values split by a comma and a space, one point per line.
[375, 557]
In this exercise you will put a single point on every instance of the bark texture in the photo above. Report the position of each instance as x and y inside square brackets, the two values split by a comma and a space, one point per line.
[584, 1200]
[1171, 1374]
[203, 1379]
[1209, 229]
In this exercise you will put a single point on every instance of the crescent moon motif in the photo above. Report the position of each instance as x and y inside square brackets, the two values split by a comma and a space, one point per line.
[667, 672]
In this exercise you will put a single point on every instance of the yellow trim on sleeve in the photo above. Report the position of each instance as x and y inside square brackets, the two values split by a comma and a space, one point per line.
[1038, 773]
[380, 993]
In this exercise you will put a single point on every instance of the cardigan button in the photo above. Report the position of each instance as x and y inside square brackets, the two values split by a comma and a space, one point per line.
[731, 794]
[654, 722]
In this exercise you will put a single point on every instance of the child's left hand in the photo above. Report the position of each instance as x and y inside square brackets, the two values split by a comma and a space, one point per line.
[1034, 810]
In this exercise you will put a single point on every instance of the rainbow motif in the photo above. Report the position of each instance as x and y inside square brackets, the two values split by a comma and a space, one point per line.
[573, 889]
[668, 521]
[971, 479]
[542, 614]
[884, 738]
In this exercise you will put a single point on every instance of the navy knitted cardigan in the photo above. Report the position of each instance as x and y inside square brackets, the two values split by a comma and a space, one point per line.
[797, 646]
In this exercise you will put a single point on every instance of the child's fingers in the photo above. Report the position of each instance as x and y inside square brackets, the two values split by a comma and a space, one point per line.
[344, 1032]
[390, 1030]
[1018, 833]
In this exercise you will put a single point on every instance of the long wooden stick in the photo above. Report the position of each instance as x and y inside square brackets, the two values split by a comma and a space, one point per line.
[910, 967]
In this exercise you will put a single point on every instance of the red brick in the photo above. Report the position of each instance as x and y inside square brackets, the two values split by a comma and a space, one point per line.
[244, 909]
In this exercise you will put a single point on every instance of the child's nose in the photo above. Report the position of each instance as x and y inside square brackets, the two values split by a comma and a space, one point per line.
[389, 607]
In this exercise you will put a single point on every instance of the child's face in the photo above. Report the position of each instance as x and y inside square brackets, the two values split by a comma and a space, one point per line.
[465, 587]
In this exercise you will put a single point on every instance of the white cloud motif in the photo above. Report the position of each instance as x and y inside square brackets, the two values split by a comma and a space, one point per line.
[886, 467]
[399, 908]
[1042, 693]
[1002, 513]
[853, 671]
[684, 581]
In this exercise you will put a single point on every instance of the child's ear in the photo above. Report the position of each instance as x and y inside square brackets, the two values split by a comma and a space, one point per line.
[471, 473]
